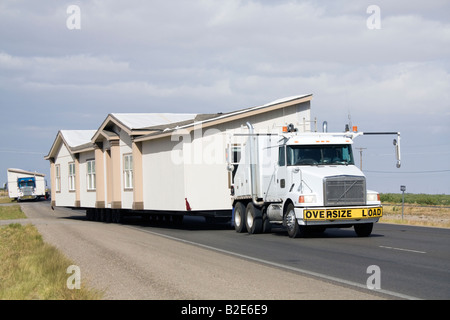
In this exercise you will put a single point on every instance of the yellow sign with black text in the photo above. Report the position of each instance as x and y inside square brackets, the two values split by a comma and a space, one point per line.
[342, 213]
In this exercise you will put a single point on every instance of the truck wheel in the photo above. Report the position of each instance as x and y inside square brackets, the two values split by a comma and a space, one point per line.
[239, 217]
[290, 221]
[363, 229]
[253, 219]
[267, 226]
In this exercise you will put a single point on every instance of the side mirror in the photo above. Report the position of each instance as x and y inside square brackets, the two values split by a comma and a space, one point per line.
[397, 150]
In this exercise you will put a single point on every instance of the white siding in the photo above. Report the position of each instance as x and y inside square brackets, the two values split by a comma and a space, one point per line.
[163, 177]
[64, 198]
[87, 197]
[125, 148]
[198, 172]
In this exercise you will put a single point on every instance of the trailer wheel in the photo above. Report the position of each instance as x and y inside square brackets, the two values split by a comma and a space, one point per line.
[116, 216]
[89, 214]
[108, 217]
[253, 219]
[363, 229]
[239, 217]
[290, 221]
[119, 217]
[97, 215]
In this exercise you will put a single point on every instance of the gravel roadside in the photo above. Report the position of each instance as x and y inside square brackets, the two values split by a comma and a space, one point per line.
[129, 264]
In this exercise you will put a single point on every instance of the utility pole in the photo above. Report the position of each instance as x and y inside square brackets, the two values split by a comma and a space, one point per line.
[360, 157]
[403, 189]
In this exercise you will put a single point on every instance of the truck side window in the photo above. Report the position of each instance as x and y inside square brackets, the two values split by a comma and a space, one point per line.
[281, 156]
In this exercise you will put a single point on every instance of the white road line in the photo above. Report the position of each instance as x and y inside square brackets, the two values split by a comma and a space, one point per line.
[401, 249]
[282, 266]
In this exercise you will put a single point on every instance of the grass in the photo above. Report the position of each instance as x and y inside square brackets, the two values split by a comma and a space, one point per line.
[419, 199]
[420, 209]
[11, 212]
[33, 269]
[5, 200]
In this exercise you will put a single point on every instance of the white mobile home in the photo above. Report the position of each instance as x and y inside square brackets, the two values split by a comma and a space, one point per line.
[149, 163]
[74, 152]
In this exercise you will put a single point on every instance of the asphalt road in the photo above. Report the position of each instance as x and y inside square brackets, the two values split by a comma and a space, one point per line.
[412, 262]
[407, 262]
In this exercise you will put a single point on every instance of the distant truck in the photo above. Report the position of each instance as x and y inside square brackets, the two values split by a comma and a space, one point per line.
[25, 185]
[303, 181]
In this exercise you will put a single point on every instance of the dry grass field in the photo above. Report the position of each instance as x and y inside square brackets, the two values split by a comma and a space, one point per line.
[431, 216]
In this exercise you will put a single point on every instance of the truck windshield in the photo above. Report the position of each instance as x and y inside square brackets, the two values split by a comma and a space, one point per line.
[27, 183]
[300, 155]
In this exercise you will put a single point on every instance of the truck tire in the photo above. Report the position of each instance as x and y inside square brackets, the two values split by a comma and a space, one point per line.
[239, 217]
[290, 221]
[363, 229]
[253, 219]
[267, 226]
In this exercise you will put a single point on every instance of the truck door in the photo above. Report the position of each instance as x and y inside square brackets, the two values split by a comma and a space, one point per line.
[281, 174]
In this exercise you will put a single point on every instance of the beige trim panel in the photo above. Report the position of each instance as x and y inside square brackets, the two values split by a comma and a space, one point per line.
[99, 177]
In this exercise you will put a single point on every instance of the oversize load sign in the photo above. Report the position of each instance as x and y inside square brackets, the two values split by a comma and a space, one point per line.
[342, 213]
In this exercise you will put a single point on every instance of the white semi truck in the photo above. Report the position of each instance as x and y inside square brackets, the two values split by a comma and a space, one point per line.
[25, 185]
[304, 181]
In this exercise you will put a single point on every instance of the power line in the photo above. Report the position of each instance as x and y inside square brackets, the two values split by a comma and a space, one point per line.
[21, 151]
[409, 172]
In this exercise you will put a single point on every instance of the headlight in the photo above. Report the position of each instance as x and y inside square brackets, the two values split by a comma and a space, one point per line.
[307, 198]
[373, 196]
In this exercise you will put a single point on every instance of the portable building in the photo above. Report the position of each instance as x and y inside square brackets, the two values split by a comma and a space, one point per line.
[161, 161]
[24, 184]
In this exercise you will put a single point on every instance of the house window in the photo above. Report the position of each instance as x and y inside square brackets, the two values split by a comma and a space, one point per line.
[90, 174]
[128, 171]
[58, 178]
[72, 176]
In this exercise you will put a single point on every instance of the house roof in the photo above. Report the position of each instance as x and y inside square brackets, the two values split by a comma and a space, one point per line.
[135, 121]
[136, 124]
[148, 126]
[31, 173]
[75, 140]
[206, 120]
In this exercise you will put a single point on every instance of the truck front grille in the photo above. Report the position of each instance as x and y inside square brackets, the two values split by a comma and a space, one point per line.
[344, 190]
[27, 191]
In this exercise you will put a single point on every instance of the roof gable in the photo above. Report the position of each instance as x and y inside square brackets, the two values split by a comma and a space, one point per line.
[73, 140]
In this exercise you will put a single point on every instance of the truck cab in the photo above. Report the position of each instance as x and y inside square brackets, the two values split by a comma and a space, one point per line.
[26, 188]
[320, 185]
[304, 181]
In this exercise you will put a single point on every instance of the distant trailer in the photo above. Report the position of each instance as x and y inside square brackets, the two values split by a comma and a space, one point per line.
[24, 185]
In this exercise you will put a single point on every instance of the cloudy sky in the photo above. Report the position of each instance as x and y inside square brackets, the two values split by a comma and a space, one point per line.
[383, 65]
